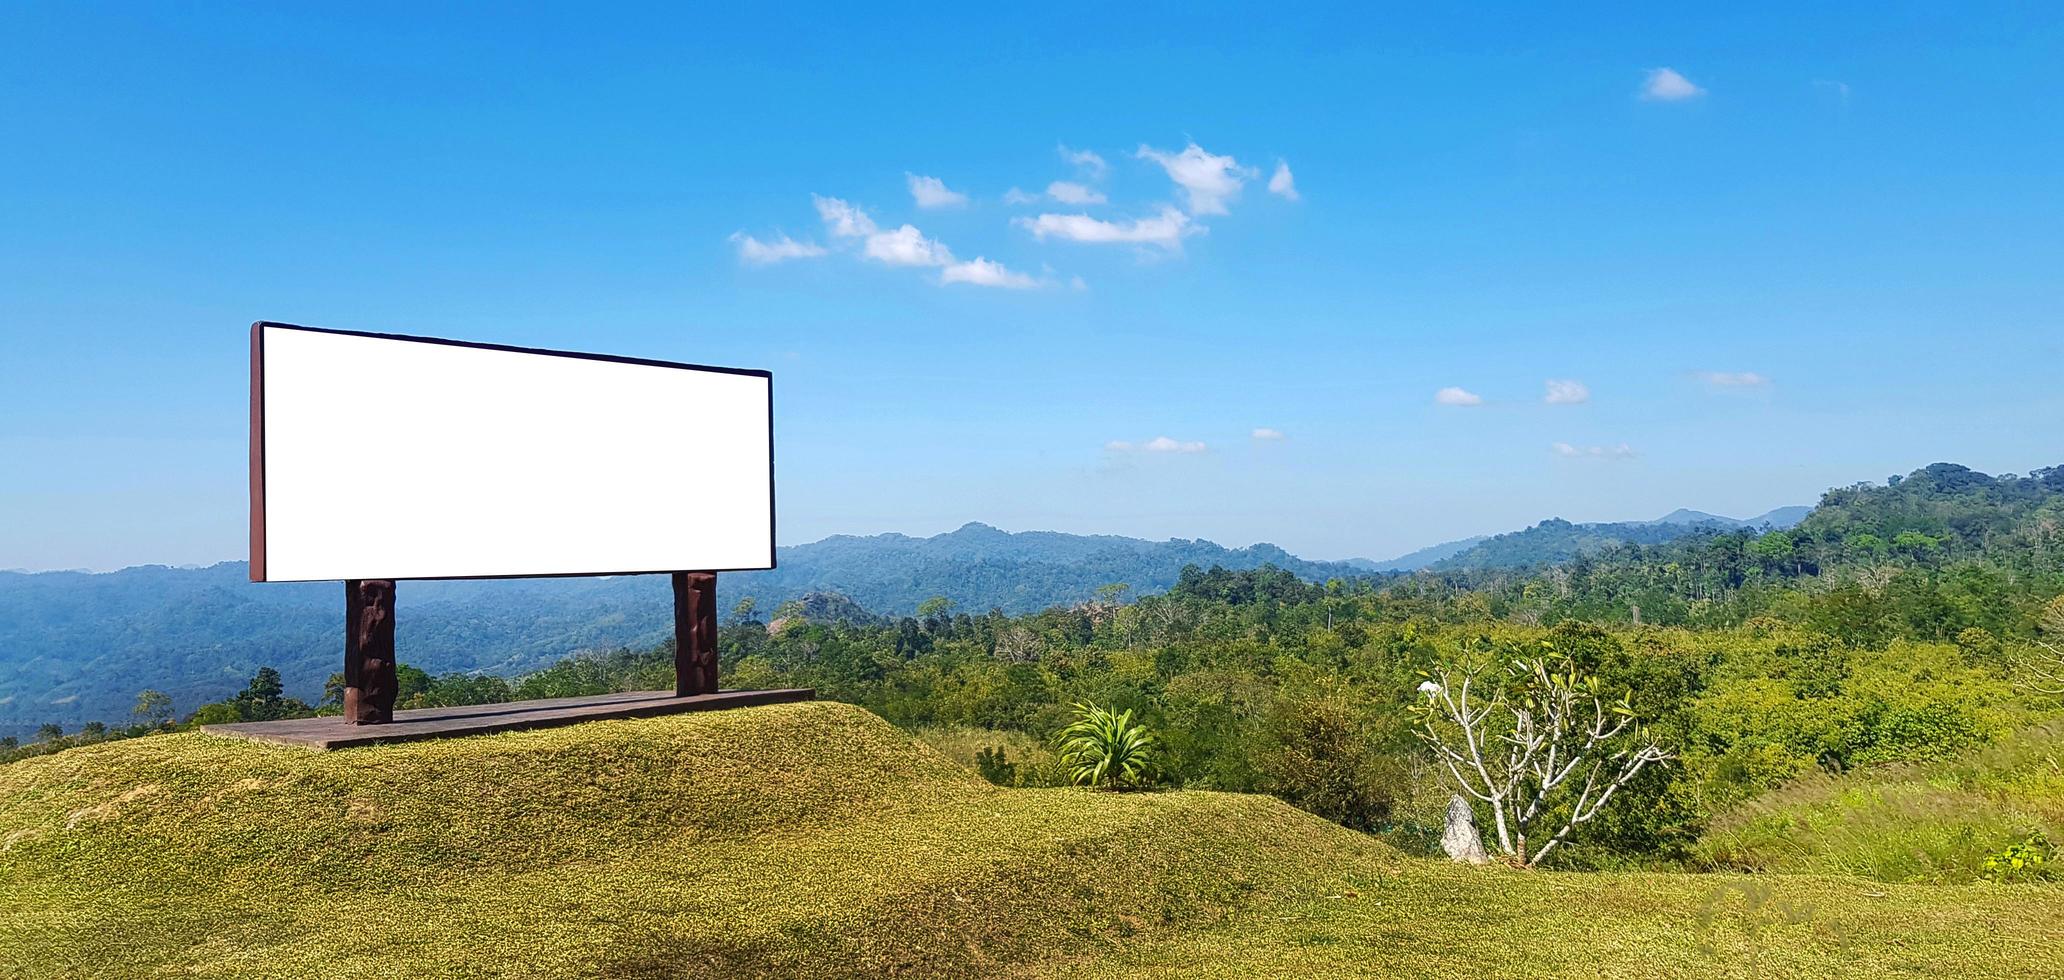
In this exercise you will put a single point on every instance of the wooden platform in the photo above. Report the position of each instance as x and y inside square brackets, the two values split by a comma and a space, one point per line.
[420, 723]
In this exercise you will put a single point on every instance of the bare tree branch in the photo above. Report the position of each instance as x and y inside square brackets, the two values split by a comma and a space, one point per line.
[1553, 726]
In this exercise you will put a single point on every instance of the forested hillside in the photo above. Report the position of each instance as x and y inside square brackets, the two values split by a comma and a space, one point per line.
[1929, 556]
[1555, 541]
[1944, 550]
[76, 647]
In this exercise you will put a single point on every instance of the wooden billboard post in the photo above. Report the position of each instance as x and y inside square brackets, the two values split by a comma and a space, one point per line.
[695, 633]
[369, 664]
[369, 680]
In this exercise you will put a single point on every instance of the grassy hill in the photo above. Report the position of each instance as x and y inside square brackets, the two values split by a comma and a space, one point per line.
[816, 840]
[1934, 822]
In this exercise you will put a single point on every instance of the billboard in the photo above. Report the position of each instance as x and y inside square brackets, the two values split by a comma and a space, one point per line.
[376, 456]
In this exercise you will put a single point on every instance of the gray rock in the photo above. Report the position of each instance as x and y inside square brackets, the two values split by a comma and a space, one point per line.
[1461, 839]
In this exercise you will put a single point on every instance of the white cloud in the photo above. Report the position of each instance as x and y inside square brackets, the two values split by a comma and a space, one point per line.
[1268, 435]
[1158, 444]
[982, 272]
[1840, 90]
[903, 246]
[907, 246]
[1016, 196]
[1457, 396]
[842, 219]
[1069, 192]
[1565, 392]
[1734, 379]
[1087, 160]
[1665, 85]
[931, 192]
[1163, 444]
[1207, 180]
[1621, 451]
[1166, 230]
[1281, 183]
[752, 251]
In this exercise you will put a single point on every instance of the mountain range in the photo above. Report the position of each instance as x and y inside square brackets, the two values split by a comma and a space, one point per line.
[1557, 540]
[78, 646]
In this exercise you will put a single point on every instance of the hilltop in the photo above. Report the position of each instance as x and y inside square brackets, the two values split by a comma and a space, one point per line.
[816, 840]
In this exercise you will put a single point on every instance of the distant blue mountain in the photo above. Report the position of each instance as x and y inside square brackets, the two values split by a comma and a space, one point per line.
[1416, 560]
[1561, 540]
[1777, 520]
[77, 646]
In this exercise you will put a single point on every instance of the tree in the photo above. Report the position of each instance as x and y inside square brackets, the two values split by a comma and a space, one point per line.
[50, 731]
[1325, 761]
[743, 611]
[153, 708]
[263, 699]
[1535, 741]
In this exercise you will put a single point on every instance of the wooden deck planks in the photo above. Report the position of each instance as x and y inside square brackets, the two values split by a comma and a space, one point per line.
[331, 732]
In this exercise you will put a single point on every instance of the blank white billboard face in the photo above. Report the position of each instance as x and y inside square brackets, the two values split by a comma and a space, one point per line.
[377, 457]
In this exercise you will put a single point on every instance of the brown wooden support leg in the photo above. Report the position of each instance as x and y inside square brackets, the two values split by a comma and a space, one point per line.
[369, 652]
[695, 633]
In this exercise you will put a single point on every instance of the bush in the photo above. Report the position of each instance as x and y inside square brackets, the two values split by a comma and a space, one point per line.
[1107, 749]
[2019, 862]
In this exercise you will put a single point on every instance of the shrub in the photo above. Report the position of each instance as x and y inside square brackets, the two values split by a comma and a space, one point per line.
[1107, 749]
[2018, 862]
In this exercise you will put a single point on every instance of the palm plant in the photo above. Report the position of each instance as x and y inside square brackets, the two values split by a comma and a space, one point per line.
[1107, 749]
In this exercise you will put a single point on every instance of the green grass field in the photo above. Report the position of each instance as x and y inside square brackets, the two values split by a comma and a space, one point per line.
[816, 840]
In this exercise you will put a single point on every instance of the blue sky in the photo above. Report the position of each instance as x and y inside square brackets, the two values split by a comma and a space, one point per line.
[1824, 248]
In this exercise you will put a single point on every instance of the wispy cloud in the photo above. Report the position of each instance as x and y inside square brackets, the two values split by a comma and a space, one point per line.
[931, 192]
[1208, 181]
[1069, 192]
[1457, 396]
[1566, 392]
[907, 246]
[752, 251]
[1621, 451]
[1166, 230]
[1734, 379]
[982, 272]
[1163, 444]
[1281, 183]
[1019, 196]
[1158, 444]
[1840, 90]
[842, 219]
[1666, 85]
[903, 246]
[1086, 160]
[1268, 435]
